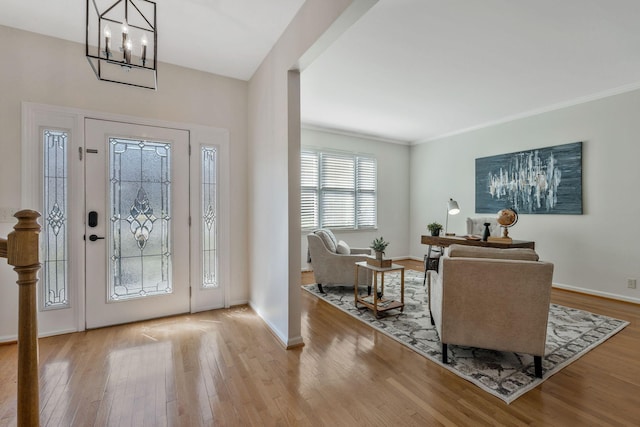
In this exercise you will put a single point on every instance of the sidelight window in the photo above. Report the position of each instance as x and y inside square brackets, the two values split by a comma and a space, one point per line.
[209, 217]
[55, 266]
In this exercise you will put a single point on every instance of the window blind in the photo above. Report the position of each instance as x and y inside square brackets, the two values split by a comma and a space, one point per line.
[338, 190]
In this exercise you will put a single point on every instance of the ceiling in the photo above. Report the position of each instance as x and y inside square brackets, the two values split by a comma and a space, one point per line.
[414, 70]
[226, 37]
[408, 70]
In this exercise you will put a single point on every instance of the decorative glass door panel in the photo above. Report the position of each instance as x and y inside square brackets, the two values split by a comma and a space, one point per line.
[140, 258]
[54, 283]
[137, 241]
[209, 182]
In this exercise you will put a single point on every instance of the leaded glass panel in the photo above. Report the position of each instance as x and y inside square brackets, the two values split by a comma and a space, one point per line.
[54, 285]
[140, 195]
[209, 221]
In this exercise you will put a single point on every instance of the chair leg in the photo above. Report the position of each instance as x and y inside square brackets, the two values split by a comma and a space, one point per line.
[537, 362]
[320, 288]
[426, 270]
[444, 354]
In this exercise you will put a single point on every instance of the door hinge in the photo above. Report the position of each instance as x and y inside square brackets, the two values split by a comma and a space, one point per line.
[189, 221]
[190, 288]
[80, 153]
[189, 149]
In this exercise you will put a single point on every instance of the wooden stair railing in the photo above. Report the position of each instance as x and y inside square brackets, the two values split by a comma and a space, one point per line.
[21, 250]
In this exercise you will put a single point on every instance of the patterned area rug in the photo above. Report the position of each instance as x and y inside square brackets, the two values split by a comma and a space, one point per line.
[571, 333]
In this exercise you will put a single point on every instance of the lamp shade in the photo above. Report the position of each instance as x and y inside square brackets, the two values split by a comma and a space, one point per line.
[452, 207]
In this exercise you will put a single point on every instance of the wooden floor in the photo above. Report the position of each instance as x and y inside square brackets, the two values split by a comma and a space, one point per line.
[224, 367]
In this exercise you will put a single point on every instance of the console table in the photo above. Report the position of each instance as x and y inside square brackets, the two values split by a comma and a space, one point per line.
[445, 241]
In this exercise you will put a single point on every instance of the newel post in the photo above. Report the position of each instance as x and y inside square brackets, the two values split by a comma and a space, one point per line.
[23, 254]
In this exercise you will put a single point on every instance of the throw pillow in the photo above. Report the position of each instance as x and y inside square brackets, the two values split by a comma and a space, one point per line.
[328, 239]
[520, 254]
[343, 248]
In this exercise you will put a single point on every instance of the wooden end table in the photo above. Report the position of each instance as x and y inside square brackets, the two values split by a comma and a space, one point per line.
[379, 305]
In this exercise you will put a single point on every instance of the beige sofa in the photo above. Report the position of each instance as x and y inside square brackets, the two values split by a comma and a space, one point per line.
[333, 261]
[490, 298]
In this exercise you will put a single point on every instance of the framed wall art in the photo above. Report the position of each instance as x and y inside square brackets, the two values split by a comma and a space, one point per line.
[539, 181]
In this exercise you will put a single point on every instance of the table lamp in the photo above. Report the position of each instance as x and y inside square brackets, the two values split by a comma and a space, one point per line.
[452, 209]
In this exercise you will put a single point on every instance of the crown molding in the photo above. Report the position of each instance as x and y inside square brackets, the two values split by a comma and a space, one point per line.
[554, 107]
[343, 132]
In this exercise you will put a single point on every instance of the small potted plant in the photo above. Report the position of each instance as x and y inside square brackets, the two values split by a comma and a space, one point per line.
[435, 228]
[379, 246]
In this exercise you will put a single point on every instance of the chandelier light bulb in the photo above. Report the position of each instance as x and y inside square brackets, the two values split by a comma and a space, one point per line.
[107, 41]
[127, 52]
[125, 33]
[143, 43]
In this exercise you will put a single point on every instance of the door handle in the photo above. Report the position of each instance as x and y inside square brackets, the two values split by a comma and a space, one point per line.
[93, 238]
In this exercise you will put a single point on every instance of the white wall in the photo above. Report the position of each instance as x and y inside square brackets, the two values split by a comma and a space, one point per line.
[596, 251]
[274, 223]
[46, 70]
[393, 191]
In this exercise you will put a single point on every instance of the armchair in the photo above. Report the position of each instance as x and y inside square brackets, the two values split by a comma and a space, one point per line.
[491, 298]
[333, 261]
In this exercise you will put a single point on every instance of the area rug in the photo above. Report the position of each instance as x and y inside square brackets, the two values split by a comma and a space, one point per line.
[571, 333]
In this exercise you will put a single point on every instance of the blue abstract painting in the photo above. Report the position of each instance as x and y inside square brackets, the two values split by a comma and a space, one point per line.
[540, 181]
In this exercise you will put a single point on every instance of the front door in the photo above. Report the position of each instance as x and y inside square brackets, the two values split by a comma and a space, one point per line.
[137, 222]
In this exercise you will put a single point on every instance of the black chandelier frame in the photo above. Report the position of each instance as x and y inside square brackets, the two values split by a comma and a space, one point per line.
[105, 57]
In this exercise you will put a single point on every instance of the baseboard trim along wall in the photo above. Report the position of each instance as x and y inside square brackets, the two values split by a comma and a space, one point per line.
[600, 294]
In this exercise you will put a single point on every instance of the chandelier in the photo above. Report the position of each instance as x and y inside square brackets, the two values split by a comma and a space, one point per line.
[121, 43]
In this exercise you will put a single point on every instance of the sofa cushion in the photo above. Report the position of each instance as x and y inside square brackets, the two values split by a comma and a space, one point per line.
[521, 254]
[343, 248]
[327, 237]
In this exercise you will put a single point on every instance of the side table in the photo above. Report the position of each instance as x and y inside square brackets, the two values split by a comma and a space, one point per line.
[373, 302]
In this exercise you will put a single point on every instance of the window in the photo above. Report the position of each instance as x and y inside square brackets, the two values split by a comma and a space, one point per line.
[54, 239]
[209, 220]
[338, 190]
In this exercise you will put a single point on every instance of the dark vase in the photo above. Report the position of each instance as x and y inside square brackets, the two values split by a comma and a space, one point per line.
[485, 235]
[435, 233]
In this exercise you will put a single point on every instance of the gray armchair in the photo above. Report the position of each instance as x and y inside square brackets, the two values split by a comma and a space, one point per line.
[491, 298]
[333, 262]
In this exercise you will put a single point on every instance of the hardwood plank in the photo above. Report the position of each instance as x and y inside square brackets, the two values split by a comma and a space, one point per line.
[224, 367]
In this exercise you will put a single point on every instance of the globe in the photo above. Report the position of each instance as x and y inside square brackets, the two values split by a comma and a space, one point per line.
[507, 218]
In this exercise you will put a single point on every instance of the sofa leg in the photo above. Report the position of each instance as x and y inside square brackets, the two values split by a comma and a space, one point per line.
[320, 288]
[444, 354]
[431, 316]
[537, 363]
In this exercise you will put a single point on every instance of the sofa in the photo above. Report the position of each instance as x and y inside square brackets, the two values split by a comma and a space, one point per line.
[333, 261]
[492, 298]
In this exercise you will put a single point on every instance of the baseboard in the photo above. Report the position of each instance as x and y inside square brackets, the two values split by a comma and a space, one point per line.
[600, 294]
[58, 332]
[284, 341]
[8, 339]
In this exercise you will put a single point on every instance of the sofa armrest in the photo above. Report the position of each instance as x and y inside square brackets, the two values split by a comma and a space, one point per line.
[360, 251]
